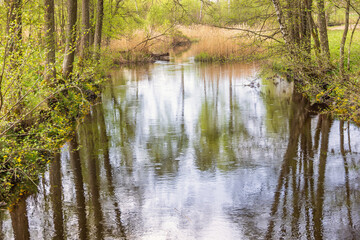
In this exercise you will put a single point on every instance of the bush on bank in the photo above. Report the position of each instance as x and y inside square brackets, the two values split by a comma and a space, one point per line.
[47, 119]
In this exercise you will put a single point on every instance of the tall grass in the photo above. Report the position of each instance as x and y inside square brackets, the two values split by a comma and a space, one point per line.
[212, 44]
[141, 44]
[218, 44]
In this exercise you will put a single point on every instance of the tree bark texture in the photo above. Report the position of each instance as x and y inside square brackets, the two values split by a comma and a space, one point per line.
[70, 39]
[14, 25]
[324, 42]
[281, 20]
[98, 28]
[50, 73]
[85, 29]
[343, 40]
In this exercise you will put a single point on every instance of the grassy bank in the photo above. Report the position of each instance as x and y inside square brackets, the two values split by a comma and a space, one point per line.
[340, 95]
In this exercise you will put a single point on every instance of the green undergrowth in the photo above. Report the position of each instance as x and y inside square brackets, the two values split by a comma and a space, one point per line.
[28, 145]
[335, 37]
[324, 85]
[206, 57]
[230, 58]
[131, 57]
[341, 97]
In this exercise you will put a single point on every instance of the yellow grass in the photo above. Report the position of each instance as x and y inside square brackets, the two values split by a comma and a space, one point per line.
[220, 44]
[138, 42]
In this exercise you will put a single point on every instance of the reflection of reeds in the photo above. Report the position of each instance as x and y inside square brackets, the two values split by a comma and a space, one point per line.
[237, 71]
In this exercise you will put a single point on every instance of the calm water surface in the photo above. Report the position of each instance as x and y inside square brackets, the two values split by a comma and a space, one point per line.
[192, 151]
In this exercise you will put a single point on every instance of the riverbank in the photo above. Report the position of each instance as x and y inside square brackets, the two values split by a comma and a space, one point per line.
[175, 143]
[213, 44]
[28, 143]
[324, 84]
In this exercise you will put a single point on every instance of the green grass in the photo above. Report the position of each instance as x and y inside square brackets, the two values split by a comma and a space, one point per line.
[342, 97]
[335, 37]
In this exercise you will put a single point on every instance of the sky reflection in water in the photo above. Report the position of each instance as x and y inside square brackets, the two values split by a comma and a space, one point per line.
[191, 151]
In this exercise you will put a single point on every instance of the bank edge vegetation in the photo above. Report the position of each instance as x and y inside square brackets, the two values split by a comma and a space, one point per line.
[54, 55]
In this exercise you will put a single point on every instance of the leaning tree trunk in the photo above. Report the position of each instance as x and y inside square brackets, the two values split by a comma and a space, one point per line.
[324, 42]
[70, 39]
[98, 28]
[50, 73]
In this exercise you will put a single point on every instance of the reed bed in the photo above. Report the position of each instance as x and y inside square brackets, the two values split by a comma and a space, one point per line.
[212, 44]
[218, 44]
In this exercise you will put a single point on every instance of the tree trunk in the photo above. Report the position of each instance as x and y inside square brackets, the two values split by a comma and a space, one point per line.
[70, 39]
[98, 28]
[85, 29]
[14, 25]
[14, 30]
[201, 9]
[62, 24]
[50, 73]
[280, 17]
[307, 25]
[315, 35]
[343, 40]
[323, 29]
[351, 39]
[92, 21]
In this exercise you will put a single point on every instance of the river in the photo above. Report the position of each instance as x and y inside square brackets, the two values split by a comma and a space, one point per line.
[183, 150]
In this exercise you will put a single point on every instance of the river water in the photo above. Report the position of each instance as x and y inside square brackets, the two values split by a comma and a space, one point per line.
[181, 150]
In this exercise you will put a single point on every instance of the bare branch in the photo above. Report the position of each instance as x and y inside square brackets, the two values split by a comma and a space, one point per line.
[256, 33]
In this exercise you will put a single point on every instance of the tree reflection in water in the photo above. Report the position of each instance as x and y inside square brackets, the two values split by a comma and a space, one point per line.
[193, 151]
[56, 197]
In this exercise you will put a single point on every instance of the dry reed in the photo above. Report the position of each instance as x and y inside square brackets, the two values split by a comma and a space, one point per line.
[221, 44]
[216, 43]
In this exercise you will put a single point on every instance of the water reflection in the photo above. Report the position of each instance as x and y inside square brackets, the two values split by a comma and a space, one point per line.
[191, 151]
[79, 188]
[56, 197]
[19, 220]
